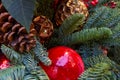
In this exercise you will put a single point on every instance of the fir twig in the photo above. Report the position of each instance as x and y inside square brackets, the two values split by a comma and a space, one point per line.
[41, 53]
[12, 55]
[30, 77]
[71, 24]
[103, 17]
[89, 49]
[91, 61]
[12, 73]
[93, 34]
[101, 3]
[101, 71]
[33, 69]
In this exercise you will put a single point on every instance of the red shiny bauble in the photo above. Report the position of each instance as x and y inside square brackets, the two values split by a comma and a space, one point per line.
[66, 64]
[4, 62]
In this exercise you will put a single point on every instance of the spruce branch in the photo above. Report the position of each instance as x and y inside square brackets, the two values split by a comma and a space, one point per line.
[101, 3]
[116, 31]
[86, 35]
[93, 60]
[94, 17]
[114, 40]
[13, 73]
[71, 24]
[30, 77]
[103, 17]
[12, 55]
[101, 71]
[89, 49]
[41, 53]
[33, 69]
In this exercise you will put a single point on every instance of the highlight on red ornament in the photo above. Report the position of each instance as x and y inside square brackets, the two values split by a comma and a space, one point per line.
[4, 62]
[66, 64]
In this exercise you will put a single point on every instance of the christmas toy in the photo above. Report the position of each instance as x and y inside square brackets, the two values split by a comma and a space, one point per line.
[88, 28]
[66, 64]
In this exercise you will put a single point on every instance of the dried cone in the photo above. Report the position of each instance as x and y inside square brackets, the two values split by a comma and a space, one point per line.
[13, 34]
[69, 7]
[43, 26]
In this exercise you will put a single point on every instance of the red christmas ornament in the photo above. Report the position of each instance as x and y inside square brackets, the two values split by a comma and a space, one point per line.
[4, 62]
[66, 64]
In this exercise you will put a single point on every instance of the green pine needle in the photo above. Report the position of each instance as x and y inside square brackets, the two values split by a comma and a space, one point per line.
[11, 54]
[101, 71]
[86, 35]
[33, 68]
[91, 61]
[41, 53]
[12, 73]
[103, 17]
[71, 24]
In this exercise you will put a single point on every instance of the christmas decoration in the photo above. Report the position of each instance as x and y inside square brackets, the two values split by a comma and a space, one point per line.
[111, 4]
[91, 2]
[94, 35]
[43, 27]
[69, 7]
[13, 34]
[66, 64]
[4, 62]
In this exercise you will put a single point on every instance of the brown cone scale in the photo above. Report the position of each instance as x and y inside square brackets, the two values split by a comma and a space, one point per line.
[69, 7]
[14, 34]
[43, 27]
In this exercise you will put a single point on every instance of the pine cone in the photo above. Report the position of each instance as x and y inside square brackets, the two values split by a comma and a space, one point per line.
[13, 34]
[69, 7]
[43, 27]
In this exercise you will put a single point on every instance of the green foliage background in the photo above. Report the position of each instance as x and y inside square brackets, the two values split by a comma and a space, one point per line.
[101, 29]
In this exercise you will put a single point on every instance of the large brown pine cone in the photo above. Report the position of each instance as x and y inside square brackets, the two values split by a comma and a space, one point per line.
[13, 34]
[69, 7]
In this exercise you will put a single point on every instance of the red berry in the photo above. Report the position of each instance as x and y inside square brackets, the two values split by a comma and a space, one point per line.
[112, 4]
[4, 62]
[96, 1]
[66, 64]
[93, 3]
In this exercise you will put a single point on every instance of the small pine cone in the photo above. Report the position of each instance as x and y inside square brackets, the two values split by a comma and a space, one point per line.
[13, 34]
[69, 7]
[43, 27]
